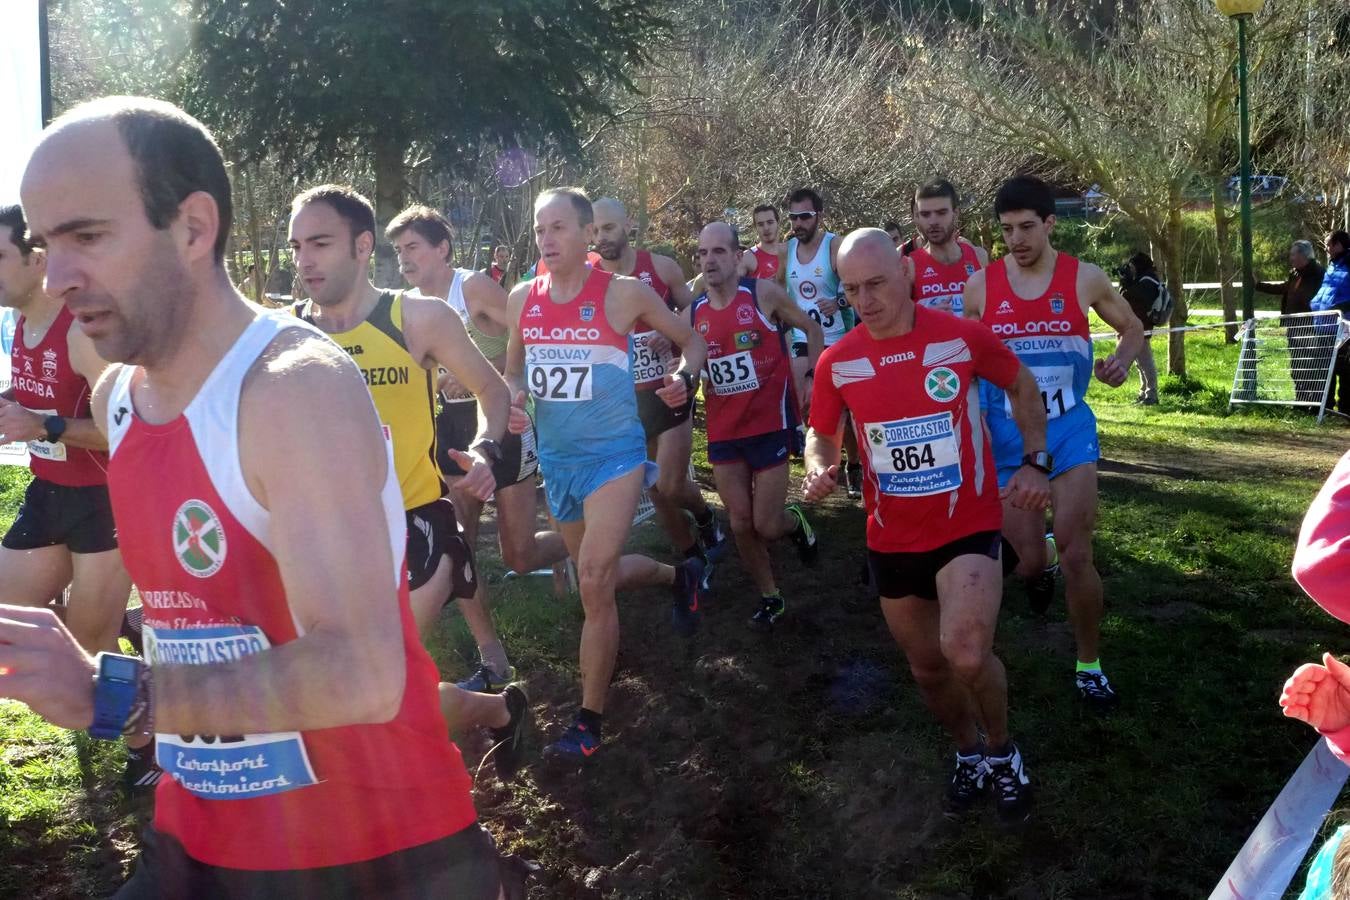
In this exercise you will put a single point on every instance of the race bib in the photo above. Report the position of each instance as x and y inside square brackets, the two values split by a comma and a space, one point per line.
[650, 363]
[55, 452]
[569, 383]
[217, 767]
[915, 457]
[734, 374]
[1056, 387]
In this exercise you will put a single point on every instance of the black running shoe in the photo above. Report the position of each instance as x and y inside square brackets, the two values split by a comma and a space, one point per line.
[1012, 786]
[770, 610]
[969, 783]
[855, 479]
[808, 548]
[509, 740]
[141, 773]
[714, 540]
[1041, 591]
[685, 612]
[1096, 691]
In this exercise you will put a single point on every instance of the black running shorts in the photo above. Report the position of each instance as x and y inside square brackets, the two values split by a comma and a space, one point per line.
[463, 865]
[433, 532]
[897, 575]
[657, 418]
[80, 518]
[457, 426]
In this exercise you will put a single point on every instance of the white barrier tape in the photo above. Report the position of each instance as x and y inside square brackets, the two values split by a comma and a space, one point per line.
[1151, 332]
[1270, 858]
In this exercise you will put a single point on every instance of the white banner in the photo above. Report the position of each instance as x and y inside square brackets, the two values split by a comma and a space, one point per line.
[13, 454]
[20, 91]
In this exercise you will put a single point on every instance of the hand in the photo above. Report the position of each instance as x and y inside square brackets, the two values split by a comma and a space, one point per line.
[674, 394]
[518, 420]
[448, 385]
[19, 424]
[1319, 694]
[827, 307]
[1029, 488]
[820, 483]
[478, 481]
[659, 345]
[42, 665]
[1110, 372]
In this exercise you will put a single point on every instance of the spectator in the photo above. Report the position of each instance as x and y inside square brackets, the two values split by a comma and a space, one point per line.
[1335, 294]
[1305, 277]
[501, 257]
[1140, 286]
[1296, 293]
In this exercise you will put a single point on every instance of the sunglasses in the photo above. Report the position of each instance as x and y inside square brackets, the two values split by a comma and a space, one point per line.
[801, 216]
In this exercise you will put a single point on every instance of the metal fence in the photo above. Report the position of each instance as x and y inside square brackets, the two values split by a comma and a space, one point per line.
[1289, 360]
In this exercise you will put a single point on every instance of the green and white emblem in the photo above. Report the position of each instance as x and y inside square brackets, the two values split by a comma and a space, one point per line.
[942, 384]
[198, 539]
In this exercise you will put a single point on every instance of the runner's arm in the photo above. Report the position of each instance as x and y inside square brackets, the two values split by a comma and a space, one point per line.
[775, 302]
[673, 276]
[484, 296]
[1114, 311]
[514, 370]
[973, 296]
[436, 336]
[638, 301]
[982, 255]
[17, 423]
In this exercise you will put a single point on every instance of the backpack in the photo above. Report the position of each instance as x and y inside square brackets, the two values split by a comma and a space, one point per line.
[1161, 310]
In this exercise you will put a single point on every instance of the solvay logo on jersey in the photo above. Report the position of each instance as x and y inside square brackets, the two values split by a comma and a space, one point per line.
[534, 312]
[850, 371]
[198, 539]
[558, 333]
[1005, 308]
[1015, 329]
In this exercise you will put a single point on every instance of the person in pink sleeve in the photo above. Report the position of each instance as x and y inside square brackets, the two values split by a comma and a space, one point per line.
[1319, 693]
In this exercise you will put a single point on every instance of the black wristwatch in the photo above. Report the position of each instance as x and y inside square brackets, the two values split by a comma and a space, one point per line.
[490, 449]
[689, 380]
[1040, 460]
[810, 373]
[55, 426]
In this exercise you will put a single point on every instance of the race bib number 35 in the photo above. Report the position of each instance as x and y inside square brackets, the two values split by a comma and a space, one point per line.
[734, 374]
[225, 767]
[915, 457]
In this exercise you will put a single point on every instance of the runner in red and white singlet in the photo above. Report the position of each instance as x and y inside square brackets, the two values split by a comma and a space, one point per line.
[765, 259]
[942, 268]
[295, 709]
[669, 432]
[908, 377]
[751, 407]
[65, 524]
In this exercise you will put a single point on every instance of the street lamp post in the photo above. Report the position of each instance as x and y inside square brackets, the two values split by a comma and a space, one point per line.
[1243, 11]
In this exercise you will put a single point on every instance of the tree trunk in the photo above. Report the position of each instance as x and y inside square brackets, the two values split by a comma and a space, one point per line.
[1227, 266]
[254, 239]
[1176, 341]
[389, 188]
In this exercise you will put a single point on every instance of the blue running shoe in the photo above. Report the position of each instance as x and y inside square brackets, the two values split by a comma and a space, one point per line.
[486, 680]
[714, 539]
[685, 612]
[576, 745]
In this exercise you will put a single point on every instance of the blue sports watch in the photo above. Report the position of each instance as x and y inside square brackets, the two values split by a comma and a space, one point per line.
[115, 688]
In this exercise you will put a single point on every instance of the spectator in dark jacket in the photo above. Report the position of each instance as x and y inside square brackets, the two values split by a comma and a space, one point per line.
[1305, 277]
[1140, 285]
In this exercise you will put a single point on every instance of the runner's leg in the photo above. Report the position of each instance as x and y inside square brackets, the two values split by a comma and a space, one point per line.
[772, 520]
[523, 548]
[99, 589]
[733, 481]
[33, 577]
[971, 591]
[668, 495]
[468, 510]
[915, 623]
[1074, 496]
[1025, 530]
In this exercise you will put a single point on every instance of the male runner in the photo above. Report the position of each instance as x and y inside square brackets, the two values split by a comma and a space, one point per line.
[669, 431]
[813, 282]
[751, 411]
[942, 267]
[909, 378]
[765, 259]
[570, 345]
[295, 709]
[421, 238]
[501, 257]
[1037, 300]
[64, 534]
[397, 342]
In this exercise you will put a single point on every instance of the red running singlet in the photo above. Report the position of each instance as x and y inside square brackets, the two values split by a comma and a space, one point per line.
[766, 263]
[942, 286]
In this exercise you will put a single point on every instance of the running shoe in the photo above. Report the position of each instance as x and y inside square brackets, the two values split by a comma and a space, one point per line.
[576, 745]
[141, 773]
[1096, 691]
[486, 680]
[969, 783]
[804, 537]
[509, 740]
[714, 540]
[770, 609]
[684, 611]
[1041, 587]
[132, 621]
[1012, 786]
[854, 476]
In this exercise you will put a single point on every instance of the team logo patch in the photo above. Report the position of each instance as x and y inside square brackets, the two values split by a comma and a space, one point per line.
[702, 327]
[807, 290]
[970, 268]
[646, 278]
[49, 365]
[1004, 308]
[1057, 304]
[819, 271]
[876, 435]
[744, 315]
[942, 384]
[930, 271]
[535, 312]
[198, 539]
[747, 339]
[587, 312]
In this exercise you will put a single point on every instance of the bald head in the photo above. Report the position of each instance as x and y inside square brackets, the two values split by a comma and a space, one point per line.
[876, 280]
[719, 255]
[611, 228]
[718, 234]
[610, 207]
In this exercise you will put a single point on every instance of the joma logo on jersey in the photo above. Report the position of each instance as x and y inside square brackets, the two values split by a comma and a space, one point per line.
[558, 333]
[587, 312]
[354, 350]
[198, 539]
[907, 356]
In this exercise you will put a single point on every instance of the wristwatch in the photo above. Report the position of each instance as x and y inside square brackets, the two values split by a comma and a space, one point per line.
[489, 449]
[688, 380]
[810, 373]
[55, 426]
[1040, 460]
[115, 686]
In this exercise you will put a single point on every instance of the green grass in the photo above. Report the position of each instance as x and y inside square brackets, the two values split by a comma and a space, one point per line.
[804, 765]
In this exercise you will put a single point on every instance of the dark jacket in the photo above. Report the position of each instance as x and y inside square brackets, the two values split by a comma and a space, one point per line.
[1296, 291]
[1140, 292]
